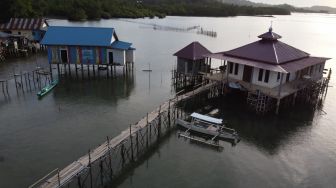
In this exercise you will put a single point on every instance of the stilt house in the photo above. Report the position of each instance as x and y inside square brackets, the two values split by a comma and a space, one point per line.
[86, 45]
[191, 59]
[31, 28]
[270, 67]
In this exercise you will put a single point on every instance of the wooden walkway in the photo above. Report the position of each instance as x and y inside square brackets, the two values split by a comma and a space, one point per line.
[67, 174]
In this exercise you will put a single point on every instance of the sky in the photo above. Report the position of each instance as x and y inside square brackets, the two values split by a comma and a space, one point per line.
[301, 3]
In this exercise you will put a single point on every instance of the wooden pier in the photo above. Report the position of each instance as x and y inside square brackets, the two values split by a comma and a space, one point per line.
[103, 164]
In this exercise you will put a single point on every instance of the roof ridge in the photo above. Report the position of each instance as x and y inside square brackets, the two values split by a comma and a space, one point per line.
[275, 53]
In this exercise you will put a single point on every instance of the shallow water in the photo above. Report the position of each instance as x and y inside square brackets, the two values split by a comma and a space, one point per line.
[296, 149]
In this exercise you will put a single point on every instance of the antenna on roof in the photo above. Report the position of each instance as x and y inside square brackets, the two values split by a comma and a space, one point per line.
[271, 27]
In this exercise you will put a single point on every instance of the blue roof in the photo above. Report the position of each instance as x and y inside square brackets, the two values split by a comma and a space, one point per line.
[78, 36]
[122, 45]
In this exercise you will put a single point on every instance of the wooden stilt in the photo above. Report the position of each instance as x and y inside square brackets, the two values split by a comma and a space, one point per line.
[90, 170]
[58, 71]
[131, 139]
[94, 71]
[88, 69]
[107, 71]
[277, 106]
[76, 70]
[82, 71]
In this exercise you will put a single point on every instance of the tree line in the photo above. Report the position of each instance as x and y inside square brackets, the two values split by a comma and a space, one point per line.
[97, 9]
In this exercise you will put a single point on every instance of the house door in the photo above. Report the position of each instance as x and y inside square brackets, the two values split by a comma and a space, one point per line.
[64, 56]
[247, 73]
[110, 57]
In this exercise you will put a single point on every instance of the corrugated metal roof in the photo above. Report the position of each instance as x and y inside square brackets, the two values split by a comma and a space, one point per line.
[303, 63]
[194, 51]
[122, 45]
[273, 52]
[23, 24]
[78, 36]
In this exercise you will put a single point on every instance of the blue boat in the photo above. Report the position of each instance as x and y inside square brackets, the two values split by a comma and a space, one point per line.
[47, 88]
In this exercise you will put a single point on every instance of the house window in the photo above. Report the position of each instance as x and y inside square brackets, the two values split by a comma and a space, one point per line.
[260, 76]
[236, 69]
[231, 67]
[278, 77]
[320, 68]
[267, 73]
[287, 78]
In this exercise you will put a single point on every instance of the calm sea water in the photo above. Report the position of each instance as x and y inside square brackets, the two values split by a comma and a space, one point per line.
[295, 149]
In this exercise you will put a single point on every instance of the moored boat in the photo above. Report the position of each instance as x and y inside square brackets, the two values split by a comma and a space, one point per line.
[47, 88]
[209, 126]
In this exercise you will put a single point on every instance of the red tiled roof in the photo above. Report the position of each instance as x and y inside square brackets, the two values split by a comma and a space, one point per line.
[194, 51]
[23, 24]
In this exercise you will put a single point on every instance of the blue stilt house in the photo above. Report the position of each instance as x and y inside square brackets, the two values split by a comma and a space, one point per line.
[86, 45]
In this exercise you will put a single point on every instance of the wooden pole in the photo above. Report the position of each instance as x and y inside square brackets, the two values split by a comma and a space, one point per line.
[101, 167]
[76, 70]
[82, 71]
[94, 71]
[159, 124]
[51, 73]
[279, 91]
[58, 71]
[107, 71]
[79, 181]
[109, 156]
[122, 155]
[58, 178]
[169, 113]
[147, 133]
[88, 69]
[277, 106]
[132, 155]
[90, 169]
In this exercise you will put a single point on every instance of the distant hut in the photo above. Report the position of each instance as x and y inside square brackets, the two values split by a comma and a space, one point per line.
[191, 59]
[31, 28]
[271, 67]
[86, 45]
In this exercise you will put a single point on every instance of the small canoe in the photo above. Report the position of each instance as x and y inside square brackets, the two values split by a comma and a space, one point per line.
[47, 88]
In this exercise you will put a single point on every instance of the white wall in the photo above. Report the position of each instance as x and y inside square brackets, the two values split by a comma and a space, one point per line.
[130, 56]
[239, 76]
[27, 33]
[119, 56]
[272, 80]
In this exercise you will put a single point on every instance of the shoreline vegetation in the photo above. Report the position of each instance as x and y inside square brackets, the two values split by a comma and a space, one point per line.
[78, 10]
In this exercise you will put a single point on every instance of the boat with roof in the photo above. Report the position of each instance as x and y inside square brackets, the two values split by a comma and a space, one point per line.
[209, 126]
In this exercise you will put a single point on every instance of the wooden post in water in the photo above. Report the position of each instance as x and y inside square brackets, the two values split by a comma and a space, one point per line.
[101, 172]
[90, 170]
[109, 156]
[107, 71]
[76, 71]
[132, 155]
[88, 69]
[94, 71]
[58, 178]
[82, 71]
[51, 73]
[122, 155]
[111, 71]
[169, 113]
[79, 183]
[137, 143]
[58, 71]
[159, 124]
[147, 132]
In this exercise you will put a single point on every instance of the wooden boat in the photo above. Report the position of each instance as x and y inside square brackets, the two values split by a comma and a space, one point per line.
[209, 126]
[47, 88]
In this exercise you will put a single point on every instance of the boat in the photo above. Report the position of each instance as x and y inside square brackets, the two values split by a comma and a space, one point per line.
[209, 126]
[47, 88]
